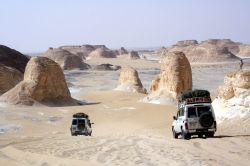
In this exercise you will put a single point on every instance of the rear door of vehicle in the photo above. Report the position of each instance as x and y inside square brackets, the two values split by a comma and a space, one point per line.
[192, 118]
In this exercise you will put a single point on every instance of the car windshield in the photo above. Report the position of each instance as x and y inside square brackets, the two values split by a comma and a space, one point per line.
[191, 112]
[74, 122]
[201, 110]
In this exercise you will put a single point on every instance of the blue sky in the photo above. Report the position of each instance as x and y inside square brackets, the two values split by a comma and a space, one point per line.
[35, 25]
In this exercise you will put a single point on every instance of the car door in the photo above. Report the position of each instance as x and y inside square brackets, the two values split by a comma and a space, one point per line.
[174, 124]
[180, 119]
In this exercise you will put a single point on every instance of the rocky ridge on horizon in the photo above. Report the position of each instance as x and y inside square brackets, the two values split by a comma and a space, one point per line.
[212, 50]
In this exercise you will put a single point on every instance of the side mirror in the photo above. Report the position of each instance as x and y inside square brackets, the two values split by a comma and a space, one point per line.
[92, 123]
[174, 117]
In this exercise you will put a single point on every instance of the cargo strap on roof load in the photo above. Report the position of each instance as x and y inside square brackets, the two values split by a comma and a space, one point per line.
[80, 115]
[193, 93]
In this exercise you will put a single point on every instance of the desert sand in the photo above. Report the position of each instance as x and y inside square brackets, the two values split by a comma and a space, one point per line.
[126, 130]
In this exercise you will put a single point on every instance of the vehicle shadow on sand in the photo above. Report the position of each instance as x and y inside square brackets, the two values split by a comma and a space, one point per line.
[221, 136]
[228, 136]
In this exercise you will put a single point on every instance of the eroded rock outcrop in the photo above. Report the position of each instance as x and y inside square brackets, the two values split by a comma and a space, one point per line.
[129, 81]
[9, 77]
[234, 96]
[234, 83]
[159, 51]
[232, 46]
[212, 50]
[175, 77]
[184, 43]
[107, 67]
[122, 51]
[66, 59]
[12, 58]
[43, 82]
[244, 50]
[102, 53]
[82, 51]
[134, 55]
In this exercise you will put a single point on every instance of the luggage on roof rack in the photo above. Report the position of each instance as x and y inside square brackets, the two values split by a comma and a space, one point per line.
[194, 96]
[193, 93]
[80, 115]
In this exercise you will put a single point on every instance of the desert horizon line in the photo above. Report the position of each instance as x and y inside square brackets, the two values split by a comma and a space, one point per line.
[137, 48]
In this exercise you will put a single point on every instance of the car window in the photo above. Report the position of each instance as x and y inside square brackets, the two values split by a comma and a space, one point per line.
[81, 121]
[201, 110]
[74, 122]
[181, 112]
[191, 112]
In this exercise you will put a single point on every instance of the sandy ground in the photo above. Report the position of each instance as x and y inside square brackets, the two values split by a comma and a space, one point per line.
[126, 131]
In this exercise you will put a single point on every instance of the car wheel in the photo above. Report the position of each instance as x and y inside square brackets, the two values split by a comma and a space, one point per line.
[185, 135]
[211, 134]
[206, 119]
[200, 135]
[175, 135]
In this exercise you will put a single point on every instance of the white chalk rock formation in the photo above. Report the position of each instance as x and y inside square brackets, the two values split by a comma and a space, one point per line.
[175, 77]
[129, 81]
[43, 82]
[234, 96]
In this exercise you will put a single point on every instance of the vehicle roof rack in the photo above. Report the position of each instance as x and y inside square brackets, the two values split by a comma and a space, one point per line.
[197, 93]
[80, 115]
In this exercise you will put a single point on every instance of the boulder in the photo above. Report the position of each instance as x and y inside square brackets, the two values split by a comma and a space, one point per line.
[244, 50]
[122, 51]
[43, 82]
[175, 77]
[107, 66]
[65, 59]
[129, 81]
[102, 53]
[134, 55]
[238, 79]
[226, 92]
[233, 82]
[9, 77]
[233, 96]
[12, 58]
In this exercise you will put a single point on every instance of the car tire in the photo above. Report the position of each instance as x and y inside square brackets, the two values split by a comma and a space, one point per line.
[206, 119]
[175, 135]
[185, 136]
[210, 134]
[200, 135]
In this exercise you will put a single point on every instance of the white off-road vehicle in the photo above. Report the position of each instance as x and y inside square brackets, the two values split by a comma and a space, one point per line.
[81, 125]
[195, 115]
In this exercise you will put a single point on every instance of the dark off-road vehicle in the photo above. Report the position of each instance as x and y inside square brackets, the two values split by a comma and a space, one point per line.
[195, 115]
[81, 125]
